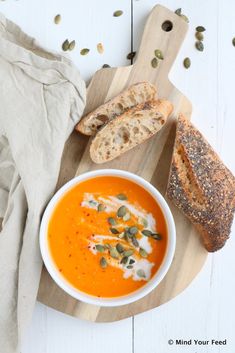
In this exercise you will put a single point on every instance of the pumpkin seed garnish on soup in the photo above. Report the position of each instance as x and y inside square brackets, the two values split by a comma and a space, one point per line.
[128, 253]
[133, 230]
[118, 13]
[156, 236]
[120, 248]
[146, 232]
[121, 211]
[100, 248]
[103, 262]
[84, 51]
[124, 260]
[57, 19]
[143, 253]
[114, 231]
[121, 197]
[126, 217]
[101, 207]
[112, 221]
[135, 241]
[114, 253]
[141, 273]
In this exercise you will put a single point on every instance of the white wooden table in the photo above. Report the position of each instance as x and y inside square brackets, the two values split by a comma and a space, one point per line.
[206, 310]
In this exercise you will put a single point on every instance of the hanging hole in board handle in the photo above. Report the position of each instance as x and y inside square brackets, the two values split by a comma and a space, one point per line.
[167, 26]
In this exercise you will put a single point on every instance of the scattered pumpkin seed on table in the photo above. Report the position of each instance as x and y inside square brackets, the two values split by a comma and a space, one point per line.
[103, 262]
[199, 45]
[57, 19]
[65, 45]
[131, 55]
[84, 51]
[180, 14]
[233, 41]
[178, 11]
[154, 63]
[100, 48]
[200, 29]
[72, 45]
[187, 63]
[118, 13]
[105, 66]
[199, 36]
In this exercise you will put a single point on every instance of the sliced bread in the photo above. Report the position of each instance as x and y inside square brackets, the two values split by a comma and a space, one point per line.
[201, 186]
[135, 94]
[129, 129]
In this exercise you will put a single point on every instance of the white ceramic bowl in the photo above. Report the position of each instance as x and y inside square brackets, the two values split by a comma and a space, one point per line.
[141, 292]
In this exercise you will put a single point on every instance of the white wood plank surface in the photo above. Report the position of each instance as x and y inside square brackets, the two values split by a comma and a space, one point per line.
[206, 309]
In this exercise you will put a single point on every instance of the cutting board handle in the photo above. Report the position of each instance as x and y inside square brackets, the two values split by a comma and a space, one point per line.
[164, 30]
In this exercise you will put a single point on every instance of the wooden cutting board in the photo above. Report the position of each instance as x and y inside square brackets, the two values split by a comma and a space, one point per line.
[164, 30]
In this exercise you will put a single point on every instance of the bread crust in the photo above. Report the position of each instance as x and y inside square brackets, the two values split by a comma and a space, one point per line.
[129, 129]
[201, 186]
[135, 94]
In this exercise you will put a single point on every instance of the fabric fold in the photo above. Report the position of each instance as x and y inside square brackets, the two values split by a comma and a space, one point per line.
[42, 98]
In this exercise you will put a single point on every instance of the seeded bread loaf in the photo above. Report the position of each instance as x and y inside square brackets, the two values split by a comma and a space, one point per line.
[201, 186]
[129, 129]
[135, 94]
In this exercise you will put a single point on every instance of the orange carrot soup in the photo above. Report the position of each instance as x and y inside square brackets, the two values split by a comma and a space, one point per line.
[107, 236]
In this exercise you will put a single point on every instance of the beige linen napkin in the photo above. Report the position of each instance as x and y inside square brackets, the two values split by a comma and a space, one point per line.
[42, 97]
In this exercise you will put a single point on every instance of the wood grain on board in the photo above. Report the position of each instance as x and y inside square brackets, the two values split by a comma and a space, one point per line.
[151, 160]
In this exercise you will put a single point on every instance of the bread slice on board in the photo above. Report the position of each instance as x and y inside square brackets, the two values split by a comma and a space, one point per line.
[201, 186]
[135, 94]
[129, 129]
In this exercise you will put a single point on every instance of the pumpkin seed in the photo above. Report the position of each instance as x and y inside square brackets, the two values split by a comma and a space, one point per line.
[84, 51]
[199, 45]
[133, 230]
[121, 211]
[72, 45]
[112, 221]
[187, 63]
[233, 41]
[65, 45]
[131, 55]
[199, 36]
[135, 241]
[121, 197]
[103, 262]
[154, 63]
[141, 273]
[128, 253]
[158, 54]
[126, 217]
[100, 247]
[107, 246]
[114, 253]
[114, 230]
[156, 236]
[178, 11]
[185, 18]
[105, 66]
[118, 13]
[101, 207]
[143, 253]
[121, 235]
[129, 267]
[100, 48]
[132, 261]
[120, 248]
[57, 19]
[146, 232]
[124, 260]
[200, 29]
[92, 202]
[143, 221]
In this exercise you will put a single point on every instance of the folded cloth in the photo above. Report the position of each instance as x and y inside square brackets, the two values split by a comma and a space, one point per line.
[42, 98]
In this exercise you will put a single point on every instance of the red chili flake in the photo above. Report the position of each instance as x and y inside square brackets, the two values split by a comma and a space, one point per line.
[60, 269]
[70, 255]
